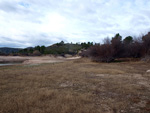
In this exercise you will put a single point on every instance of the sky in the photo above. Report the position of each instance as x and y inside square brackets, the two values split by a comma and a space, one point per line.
[26, 23]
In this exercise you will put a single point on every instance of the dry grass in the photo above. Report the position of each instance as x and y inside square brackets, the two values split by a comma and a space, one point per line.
[77, 86]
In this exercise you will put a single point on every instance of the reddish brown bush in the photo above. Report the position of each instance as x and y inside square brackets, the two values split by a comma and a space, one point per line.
[102, 53]
[116, 48]
[146, 44]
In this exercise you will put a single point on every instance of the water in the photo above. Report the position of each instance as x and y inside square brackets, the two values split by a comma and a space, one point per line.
[7, 64]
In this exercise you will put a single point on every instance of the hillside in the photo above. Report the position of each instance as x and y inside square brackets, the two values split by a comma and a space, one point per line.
[56, 49]
[63, 48]
[7, 50]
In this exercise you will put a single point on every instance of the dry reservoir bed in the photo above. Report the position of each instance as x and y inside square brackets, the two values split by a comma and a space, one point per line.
[75, 86]
[32, 59]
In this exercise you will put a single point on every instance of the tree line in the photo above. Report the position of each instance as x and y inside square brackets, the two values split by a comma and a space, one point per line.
[116, 47]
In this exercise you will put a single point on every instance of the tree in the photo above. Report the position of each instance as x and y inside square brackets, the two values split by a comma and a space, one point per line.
[42, 49]
[86, 45]
[107, 40]
[30, 50]
[127, 46]
[37, 48]
[60, 43]
[128, 40]
[136, 49]
[116, 43]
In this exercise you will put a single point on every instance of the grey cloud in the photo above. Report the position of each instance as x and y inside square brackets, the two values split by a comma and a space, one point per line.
[7, 6]
[146, 12]
[139, 20]
[13, 7]
[21, 11]
[84, 19]
[43, 39]
[8, 42]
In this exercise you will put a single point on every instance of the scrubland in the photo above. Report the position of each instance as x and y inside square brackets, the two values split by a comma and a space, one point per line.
[75, 86]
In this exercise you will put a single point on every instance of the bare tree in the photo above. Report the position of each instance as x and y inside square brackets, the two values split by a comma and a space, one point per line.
[146, 43]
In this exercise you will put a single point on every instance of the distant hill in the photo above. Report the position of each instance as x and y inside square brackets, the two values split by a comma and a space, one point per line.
[55, 49]
[63, 48]
[7, 50]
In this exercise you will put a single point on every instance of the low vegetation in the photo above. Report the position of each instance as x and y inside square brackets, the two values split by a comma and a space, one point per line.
[77, 86]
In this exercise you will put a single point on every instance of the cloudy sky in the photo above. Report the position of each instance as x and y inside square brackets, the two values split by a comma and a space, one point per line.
[25, 23]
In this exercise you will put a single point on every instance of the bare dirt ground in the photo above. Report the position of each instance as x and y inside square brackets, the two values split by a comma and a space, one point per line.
[75, 86]
[33, 60]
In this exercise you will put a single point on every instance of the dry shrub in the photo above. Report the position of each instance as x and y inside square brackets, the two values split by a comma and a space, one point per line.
[146, 43]
[36, 53]
[102, 53]
[116, 48]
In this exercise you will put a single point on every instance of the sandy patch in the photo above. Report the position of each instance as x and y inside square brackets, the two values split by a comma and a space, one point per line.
[34, 60]
[45, 59]
[148, 71]
[66, 84]
[71, 58]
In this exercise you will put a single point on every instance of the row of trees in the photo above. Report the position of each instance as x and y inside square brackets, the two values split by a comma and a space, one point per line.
[117, 48]
[37, 50]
